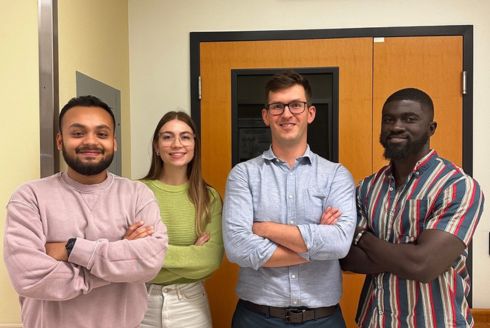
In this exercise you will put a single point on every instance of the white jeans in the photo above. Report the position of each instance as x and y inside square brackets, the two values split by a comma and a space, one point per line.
[176, 306]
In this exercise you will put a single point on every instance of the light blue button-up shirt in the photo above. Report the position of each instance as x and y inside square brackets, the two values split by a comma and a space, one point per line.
[267, 189]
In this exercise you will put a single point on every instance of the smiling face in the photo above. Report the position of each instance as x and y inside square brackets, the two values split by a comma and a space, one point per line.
[406, 128]
[88, 143]
[288, 129]
[176, 144]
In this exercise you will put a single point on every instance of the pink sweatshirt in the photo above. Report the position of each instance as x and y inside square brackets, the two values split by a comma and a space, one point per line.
[102, 284]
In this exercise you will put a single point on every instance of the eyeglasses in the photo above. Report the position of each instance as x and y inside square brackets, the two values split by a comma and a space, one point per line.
[295, 107]
[185, 139]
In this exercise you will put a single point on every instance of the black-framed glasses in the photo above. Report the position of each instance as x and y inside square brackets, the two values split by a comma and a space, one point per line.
[295, 107]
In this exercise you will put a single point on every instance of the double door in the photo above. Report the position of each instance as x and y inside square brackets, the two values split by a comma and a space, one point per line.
[370, 69]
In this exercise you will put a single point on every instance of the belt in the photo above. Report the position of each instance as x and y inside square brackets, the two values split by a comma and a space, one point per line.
[291, 314]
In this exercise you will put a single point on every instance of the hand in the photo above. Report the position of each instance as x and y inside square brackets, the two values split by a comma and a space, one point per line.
[203, 239]
[57, 251]
[330, 215]
[138, 230]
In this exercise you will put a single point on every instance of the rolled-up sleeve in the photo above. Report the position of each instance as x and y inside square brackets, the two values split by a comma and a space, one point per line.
[242, 246]
[330, 242]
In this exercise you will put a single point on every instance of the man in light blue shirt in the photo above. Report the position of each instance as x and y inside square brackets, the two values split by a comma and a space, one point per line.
[281, 224]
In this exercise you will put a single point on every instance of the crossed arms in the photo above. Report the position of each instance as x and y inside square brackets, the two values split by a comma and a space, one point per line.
[432, 254]
[272, 244]
[35, 272]
[290, 243]
[434, 250]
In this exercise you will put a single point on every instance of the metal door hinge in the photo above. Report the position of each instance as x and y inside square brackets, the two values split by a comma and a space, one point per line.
[463, 83]
[199, 87]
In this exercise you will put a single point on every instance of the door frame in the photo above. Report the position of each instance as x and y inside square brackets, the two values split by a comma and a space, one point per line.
[466, 31]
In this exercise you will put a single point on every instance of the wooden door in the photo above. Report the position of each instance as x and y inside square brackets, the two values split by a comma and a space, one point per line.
[353, 57]
[432, 64]
[368, 73]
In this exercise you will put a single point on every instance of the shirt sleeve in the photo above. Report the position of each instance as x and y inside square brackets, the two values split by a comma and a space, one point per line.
[198, 262]
[34, 273]
[126, 260]
[331, 242]
[458, 209]
[242, 246]
[362, 222]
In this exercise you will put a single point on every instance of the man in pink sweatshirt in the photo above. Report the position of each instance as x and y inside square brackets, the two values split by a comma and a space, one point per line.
[80, 244]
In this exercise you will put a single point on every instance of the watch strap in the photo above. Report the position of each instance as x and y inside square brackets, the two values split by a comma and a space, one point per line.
[69, 245]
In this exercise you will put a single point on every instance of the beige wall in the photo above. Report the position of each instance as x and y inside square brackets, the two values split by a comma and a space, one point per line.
[93, 39]
[19, 123]
[159, 63]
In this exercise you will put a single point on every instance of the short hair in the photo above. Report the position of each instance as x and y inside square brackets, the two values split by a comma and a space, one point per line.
[413, 94]
[85, 101]
[286, 80]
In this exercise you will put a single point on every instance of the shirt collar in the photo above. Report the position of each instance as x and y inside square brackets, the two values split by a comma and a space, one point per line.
[422, 165]
[269, 155]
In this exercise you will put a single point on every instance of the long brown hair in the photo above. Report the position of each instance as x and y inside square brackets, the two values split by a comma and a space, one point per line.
[198, 191]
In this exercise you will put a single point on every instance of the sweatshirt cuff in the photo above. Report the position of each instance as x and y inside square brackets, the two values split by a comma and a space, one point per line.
[83, 252]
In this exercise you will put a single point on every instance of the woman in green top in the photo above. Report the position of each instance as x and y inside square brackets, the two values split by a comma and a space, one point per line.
[191, 210]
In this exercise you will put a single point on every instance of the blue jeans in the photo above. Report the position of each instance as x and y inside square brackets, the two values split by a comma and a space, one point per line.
[244, 318]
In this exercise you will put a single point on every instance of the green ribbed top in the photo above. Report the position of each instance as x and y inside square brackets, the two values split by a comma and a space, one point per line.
[185, 262]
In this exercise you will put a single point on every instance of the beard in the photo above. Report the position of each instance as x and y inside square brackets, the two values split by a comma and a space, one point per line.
[397, 151]
[87, 168]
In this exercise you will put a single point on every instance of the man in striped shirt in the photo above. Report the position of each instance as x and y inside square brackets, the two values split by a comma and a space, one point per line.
[416, 218]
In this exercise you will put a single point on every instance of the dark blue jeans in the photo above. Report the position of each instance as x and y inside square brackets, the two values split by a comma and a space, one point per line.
[244, 318]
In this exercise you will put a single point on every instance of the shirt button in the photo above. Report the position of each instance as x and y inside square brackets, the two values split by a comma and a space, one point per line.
[293, 276]
[292, 221]
[295, 302]
[165, 290]
[290, 196]
[380, 312]
[391, 188]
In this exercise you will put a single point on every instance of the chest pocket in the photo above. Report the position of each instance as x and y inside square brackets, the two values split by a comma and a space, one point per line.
[314, 204]
[410, 220]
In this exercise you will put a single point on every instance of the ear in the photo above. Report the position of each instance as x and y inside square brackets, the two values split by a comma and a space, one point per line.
[115, 144]
[155, 148]
[311, 114]
[59, 141]
[432, 127]
[265, 117]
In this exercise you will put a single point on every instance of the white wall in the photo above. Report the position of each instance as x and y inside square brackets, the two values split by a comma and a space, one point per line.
[160, 69]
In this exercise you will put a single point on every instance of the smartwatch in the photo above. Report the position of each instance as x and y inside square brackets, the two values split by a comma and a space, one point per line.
[69, 245]
[358, 237]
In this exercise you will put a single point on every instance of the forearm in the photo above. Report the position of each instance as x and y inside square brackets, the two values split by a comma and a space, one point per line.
[123, 260]
[194, 262]
[283, 257]
[399, 259]
[285, 235]
[35, 274]
[422, 261]
[359, 262]
[32, 271]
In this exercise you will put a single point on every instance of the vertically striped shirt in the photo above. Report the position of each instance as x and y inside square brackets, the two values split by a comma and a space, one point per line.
[436, 195]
